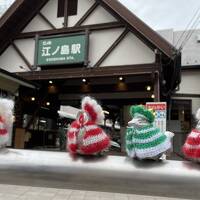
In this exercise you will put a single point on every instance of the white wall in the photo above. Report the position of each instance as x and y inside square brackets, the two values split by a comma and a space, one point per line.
[50, 12]
[98, 16]
[129, 51]
[11, 61]
[37, 24]
[100, 41]
[190, 83]
[83, 6]
[190, 51]
[27, 46]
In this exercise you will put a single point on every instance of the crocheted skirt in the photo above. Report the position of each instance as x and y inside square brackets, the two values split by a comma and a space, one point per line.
[191, 148]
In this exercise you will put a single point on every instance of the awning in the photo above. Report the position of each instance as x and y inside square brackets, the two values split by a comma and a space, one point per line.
[11, 82]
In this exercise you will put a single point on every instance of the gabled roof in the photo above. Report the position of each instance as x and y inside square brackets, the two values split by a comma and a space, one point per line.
[16, 18]
[141, 27]
[22, 11]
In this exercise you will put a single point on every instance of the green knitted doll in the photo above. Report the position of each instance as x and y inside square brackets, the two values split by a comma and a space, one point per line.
[143, 139]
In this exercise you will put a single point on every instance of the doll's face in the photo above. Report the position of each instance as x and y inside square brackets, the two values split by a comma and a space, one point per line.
[138, 121]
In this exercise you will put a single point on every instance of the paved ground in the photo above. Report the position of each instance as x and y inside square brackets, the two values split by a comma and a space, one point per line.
[13, 192]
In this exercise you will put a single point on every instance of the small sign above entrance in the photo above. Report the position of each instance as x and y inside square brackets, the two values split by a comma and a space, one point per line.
[59, 50]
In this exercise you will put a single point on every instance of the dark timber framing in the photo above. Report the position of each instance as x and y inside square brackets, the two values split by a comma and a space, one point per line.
[46, 20]
[156, 86]
[66, 13]
[22, 55]
[114, 95]
[86, 15]
[71, 73]
[93, 27]
[112, 47]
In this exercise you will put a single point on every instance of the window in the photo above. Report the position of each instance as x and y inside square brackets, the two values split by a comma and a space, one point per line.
[71, 9]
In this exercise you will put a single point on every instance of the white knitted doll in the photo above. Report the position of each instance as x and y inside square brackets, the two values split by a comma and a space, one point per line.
[6, 120]
[84, 135]
[143, 139]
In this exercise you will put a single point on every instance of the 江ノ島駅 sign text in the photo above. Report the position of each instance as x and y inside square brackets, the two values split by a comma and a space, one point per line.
[61, 50]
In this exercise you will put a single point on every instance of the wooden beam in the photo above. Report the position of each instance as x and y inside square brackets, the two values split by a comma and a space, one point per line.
[86, 15]
[112, 47]
[66, 14]
[22, 55]
[17, 15]
[91, 72]
[157, 87]
[114, 95]
[46, 20]
[103, 26]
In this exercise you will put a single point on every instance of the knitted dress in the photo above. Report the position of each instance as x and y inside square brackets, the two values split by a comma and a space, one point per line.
[84, 135]
[3, 133]
[146, 141]
[6, 120]
[191, 148]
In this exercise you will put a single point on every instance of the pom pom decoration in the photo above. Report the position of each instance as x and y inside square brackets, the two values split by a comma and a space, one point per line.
[84, 135]
[6, 120]
[143, 139]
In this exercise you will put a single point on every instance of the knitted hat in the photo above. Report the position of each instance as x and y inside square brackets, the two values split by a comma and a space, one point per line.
[142, 111]
[84, 135]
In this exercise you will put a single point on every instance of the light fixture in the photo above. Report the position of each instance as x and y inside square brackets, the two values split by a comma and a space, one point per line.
[48, 103]
[121, 78]
[32, 98]
[84, 80]
[148, 88]
[50, 82]
[152, 96]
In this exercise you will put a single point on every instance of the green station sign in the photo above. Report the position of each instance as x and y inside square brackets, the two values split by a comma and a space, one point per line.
[60, 50]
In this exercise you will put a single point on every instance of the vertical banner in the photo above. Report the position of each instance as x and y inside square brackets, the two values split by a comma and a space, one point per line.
[160, 109]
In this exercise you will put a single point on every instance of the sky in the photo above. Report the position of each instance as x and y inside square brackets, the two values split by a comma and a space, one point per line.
[4, 4]
[164, 14]
[158, 14]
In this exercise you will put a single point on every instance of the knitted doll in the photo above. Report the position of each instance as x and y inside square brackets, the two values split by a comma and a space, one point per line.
[143, 139]
[6, 120]
[191, 148]
[85, 136]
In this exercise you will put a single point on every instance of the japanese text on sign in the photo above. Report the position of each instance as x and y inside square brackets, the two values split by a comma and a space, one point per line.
[61, 50]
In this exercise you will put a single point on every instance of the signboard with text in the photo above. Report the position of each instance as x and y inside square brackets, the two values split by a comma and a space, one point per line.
[60, 50]
[160, 109]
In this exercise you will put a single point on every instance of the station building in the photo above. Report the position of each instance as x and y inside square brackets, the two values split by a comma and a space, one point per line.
[73, 48]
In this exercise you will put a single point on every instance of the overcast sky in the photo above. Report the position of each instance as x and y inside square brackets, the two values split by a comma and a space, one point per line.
[164, 14]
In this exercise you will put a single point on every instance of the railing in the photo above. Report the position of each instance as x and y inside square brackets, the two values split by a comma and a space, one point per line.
[112, 173]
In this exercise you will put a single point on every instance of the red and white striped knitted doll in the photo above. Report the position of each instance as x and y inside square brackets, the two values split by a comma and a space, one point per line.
[191, 148]
[6, 120]
[84, 135]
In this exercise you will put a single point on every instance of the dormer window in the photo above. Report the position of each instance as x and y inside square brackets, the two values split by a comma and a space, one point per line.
[71, 7]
